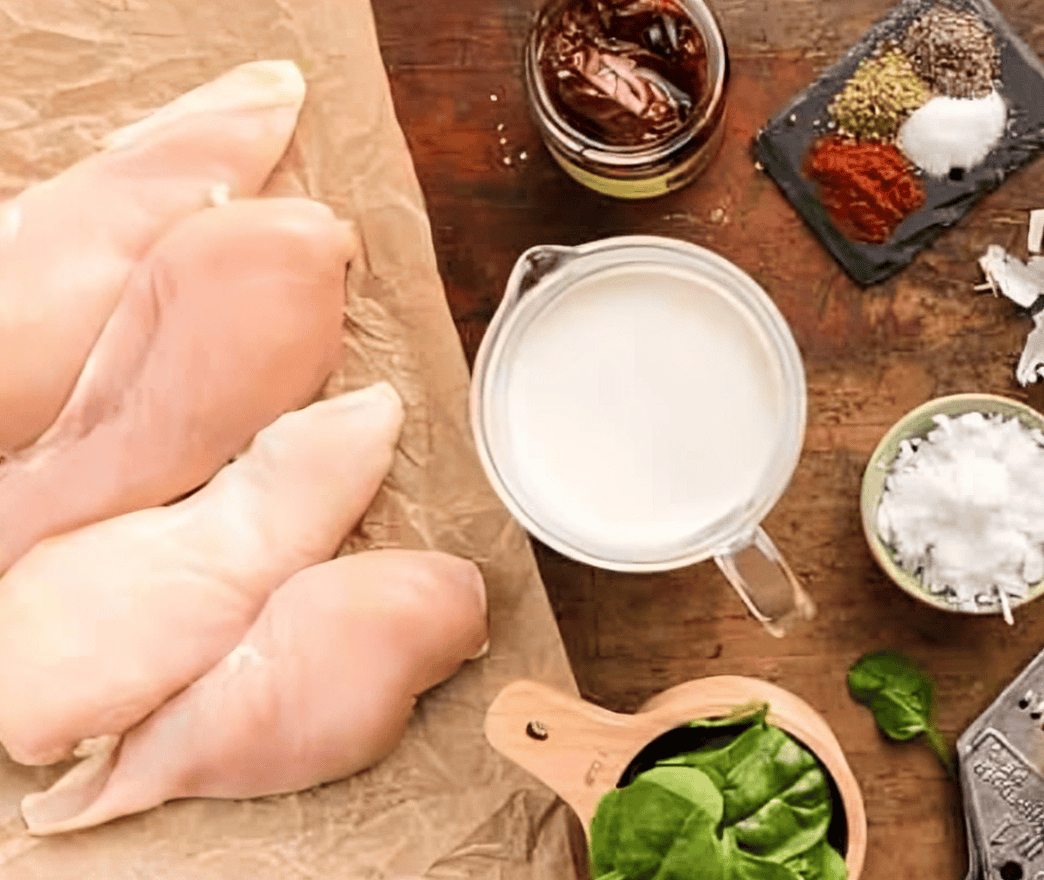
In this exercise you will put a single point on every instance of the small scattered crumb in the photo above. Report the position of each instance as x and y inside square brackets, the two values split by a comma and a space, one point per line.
[523, 156]
[503, 141]
[1036, 231]
[493, 98]
[506, 160]
[717, 215]
[758, 166]
[500, 126]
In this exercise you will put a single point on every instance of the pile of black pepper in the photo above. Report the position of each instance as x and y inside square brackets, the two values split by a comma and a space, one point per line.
[953, 51]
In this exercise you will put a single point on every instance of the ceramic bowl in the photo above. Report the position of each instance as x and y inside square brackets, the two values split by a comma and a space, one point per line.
[917, 423]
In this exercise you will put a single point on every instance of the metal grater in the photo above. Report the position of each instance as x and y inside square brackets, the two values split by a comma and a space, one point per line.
[1001, 764]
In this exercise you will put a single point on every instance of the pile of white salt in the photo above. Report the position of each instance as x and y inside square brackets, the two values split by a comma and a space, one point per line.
[945, 134]
[963, 509]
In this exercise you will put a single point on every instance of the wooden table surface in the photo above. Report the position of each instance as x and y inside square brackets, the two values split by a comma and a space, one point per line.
[870, 355]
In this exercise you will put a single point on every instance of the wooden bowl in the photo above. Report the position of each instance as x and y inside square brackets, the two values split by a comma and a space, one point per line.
[581, 751]
[917, 423]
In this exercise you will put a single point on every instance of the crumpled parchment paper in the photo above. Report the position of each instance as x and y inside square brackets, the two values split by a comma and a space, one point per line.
[444, 805]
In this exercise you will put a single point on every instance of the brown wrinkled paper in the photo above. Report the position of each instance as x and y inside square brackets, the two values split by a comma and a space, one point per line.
[444, 805]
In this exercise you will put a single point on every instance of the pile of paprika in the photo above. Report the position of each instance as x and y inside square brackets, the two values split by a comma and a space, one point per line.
[867, 188]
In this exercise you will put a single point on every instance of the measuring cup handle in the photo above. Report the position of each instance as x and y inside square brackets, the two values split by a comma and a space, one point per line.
[574, 747]
[767, 586]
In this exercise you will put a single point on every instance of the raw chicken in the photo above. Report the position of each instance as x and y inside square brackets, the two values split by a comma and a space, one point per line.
[68, 245]
[232, 319]
[101, 625]
[320, 688]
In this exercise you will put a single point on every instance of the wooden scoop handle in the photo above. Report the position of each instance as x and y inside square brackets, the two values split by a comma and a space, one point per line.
[574, 747]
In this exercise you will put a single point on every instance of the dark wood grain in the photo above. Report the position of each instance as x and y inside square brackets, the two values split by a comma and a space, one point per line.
[870, 355]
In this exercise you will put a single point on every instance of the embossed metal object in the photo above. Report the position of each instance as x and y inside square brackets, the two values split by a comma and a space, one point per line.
[1001, 761]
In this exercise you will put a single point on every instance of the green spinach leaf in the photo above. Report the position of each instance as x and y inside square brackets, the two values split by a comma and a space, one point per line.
[822, 862]
[635, 828]
[755, 806]
[778, 799]
[605, 833]
[742, 865]
[749, 713]
[696, 852]
[899, 693]
[775, 793]
[717, 759]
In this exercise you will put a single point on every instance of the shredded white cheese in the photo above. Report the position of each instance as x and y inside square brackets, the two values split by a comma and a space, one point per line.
[963, 509]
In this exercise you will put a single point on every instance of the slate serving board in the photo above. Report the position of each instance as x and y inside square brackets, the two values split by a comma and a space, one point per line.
[781, 146]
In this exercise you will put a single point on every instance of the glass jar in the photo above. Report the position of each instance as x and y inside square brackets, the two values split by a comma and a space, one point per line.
[632, 171]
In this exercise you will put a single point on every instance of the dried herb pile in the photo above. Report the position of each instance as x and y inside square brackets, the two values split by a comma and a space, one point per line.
[939, 76]
[882, 92]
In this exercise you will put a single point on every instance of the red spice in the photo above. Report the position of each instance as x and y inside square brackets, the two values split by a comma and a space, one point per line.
[867, 188]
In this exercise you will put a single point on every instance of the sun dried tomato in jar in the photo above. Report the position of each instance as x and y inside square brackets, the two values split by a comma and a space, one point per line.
[629, 95]
[625, 73]
[867, 188]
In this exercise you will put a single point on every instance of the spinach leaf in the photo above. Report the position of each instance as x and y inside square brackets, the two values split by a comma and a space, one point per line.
[822, 862]
[755, 806]
[696, 852]
[605, 833]
[636, 828]
[717, 762]
[774, 791]
[742, 865]
[696, 788]
[717, 759]
[777, 799]
[749, 713]
[899, 693]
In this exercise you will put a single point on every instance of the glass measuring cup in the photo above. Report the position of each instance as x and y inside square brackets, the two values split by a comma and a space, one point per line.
[638, 404]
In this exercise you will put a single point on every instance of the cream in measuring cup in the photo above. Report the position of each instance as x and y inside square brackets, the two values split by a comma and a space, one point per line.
[639, 405]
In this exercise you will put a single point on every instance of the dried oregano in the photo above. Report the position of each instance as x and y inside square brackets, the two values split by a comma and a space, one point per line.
[881, 93]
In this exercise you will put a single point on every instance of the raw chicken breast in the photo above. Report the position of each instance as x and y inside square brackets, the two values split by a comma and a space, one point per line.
[321, 687]
[232, 319]
[68, 245]
[101, 625]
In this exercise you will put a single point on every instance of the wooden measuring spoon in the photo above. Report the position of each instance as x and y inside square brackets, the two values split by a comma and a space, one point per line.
[581, 750]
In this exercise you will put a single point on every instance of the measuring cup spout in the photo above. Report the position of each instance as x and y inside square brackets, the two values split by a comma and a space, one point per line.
[533, 265]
